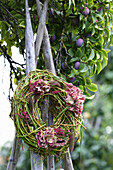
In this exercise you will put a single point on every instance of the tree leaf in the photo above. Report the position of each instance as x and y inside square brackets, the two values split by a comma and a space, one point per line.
[99, 67]
[88, 81]
[104, 61]
[22, 24]
[111, 11]
[92, 87]
[84, 69]
[91, 56]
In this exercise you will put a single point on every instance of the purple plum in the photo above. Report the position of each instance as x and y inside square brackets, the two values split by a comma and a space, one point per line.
[86, 11]
[77, 65]
[64, 66]
[88, 35]
[99, 9]
[53, 38]
[71, 79]
[81, 8]
[79, 42]
[86, 4]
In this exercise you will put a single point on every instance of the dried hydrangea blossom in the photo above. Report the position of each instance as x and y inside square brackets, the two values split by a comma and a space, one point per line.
[52, 138]
[39, 86]
[74, 99]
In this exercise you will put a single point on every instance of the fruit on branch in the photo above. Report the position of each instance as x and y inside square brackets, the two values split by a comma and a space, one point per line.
[88, 35]
[99, 9]
[53, 38]
[77, 65]
[86, 11]
[71, 79]
[81, 8]
[64, 66]
[86, 4]
[79, 42]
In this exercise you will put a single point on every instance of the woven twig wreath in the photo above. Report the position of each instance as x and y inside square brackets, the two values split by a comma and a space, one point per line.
[65, 105]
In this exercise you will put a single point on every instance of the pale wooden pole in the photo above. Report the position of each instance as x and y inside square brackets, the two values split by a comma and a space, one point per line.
[49, 64]
[14, 153]
[40, 30]
[36, 160]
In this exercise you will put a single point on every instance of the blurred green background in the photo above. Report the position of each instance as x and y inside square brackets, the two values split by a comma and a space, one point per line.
[96, 150]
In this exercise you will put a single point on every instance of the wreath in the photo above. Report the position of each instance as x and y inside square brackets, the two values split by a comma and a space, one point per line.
[65, 103]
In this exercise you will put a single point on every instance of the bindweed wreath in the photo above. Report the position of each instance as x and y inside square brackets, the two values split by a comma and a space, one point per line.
[65, 104]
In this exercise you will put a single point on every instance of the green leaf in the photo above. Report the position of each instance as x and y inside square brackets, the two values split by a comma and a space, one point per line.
[22, 24]
[92, 39]
[99, 28]
[88, 81]
[3, 30]
[94, 18]
[76, 72]
[15, 81]
[111, 11]
[99, 67]
[107, 33]
[91, 56]
[111, 40]
[90, 97]
[74, 59]
[70, 51]
[100, 16]
[104, 52]
[104, 61]
[81, 87]
[90, 1]
[72, 73]
[84, 69]
[79, 53]
[92, 87]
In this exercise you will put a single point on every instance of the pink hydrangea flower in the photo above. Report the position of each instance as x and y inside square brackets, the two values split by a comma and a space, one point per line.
[74, 99]
[51, 138]
[39, 86]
